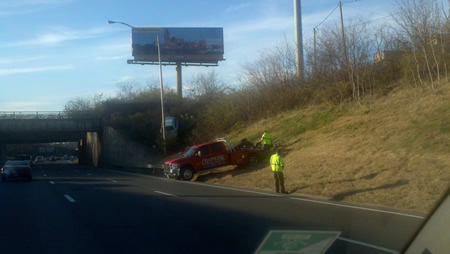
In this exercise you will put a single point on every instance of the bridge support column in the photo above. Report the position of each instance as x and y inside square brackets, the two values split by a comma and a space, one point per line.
[90, 149]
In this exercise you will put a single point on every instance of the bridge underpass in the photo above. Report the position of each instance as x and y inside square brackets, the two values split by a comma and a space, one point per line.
[51, 126]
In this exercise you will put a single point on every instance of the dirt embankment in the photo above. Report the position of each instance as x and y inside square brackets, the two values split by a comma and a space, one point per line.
[392, 151]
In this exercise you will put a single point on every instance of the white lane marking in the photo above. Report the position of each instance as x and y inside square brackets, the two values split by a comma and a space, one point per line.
[368, 245]
[71, 200]
[45, 175]
[51, 182]
[357, 207]
[308, 200]
[88, 174]
[114, 181]
[273, 195]
[231, 188]
[167, 194]
[137, 174]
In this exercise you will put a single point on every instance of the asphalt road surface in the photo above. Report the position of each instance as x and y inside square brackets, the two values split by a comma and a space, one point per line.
[75, 209]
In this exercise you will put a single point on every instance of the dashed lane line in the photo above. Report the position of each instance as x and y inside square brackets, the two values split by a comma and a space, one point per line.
[51, 182]
[368, 245]
[71, 200]
[167, 194]
[357, 207]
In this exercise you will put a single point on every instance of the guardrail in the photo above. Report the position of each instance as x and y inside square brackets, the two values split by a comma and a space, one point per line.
[47, 115]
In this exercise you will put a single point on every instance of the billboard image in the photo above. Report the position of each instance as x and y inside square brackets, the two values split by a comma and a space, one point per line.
[187, 45]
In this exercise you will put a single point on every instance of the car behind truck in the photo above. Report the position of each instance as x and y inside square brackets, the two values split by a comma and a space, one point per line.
[210, 156]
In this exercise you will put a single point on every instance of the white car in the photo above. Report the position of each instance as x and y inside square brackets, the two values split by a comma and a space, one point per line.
[39, 158]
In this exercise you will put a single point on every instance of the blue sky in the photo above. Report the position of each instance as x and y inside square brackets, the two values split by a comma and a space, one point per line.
[52, 51]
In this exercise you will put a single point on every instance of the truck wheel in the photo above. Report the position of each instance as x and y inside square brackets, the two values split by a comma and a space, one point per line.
[253, 159]
[186, 174]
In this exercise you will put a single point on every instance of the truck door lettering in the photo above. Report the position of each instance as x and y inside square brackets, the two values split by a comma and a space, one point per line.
[213, 161]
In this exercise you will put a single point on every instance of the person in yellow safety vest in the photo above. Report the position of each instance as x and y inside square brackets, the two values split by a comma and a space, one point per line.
[267, 141]
[277, 164]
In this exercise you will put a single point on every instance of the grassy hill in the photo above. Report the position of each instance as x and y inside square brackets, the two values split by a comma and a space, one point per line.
[392, 151]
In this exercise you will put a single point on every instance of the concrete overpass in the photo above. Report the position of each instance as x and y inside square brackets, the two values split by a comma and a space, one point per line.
[45, 127]
[98, 144]
[28, 127]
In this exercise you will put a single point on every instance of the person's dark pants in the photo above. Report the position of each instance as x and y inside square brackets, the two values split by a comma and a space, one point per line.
[279, 181]
[266, 150]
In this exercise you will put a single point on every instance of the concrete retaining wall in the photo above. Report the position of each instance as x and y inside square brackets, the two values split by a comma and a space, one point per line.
[110, 148]
[119, 150]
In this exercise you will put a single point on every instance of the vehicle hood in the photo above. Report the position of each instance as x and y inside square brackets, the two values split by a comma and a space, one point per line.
[177, 160]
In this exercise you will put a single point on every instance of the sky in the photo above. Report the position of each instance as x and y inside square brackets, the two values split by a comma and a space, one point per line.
[52, 51]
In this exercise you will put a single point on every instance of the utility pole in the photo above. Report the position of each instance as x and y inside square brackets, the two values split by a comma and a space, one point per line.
[315, 52]
[298, 40]
[343, 35]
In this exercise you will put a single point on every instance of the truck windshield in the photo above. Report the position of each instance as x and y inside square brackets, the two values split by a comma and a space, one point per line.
[189, 152]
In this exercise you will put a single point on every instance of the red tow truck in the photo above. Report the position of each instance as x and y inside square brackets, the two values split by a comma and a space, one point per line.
[210, 156]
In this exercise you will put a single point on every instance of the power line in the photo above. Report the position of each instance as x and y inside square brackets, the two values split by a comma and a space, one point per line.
[350, 1]
[327, 16]
[373, 20]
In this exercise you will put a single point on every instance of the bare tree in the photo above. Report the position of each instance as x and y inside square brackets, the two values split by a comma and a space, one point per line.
[207, 86]
[422, 24]
[84, 107]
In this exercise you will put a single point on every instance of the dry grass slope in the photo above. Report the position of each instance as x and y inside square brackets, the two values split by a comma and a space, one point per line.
[393, 151]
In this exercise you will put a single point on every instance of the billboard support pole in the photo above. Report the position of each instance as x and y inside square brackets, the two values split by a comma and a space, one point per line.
[179, 81]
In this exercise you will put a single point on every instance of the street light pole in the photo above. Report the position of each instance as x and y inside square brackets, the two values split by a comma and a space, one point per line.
[160, 81]
[162, 97]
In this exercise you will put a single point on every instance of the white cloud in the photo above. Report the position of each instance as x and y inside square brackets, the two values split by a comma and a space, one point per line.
[116, 46]
[16, 12]
[60, 35]
[21, 7]
[21, 60]
[123, 79]
[111, 58]
[24, 3]
[268, 25]
[24, 105]
[12, 71]
[237, 7]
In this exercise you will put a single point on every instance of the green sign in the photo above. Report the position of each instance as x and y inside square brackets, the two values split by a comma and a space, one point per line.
[298, 242]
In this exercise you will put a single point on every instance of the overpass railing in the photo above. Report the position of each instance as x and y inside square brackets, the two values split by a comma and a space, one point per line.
[47, 115]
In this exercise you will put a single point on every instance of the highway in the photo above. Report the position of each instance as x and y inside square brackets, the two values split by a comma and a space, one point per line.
[79, 209]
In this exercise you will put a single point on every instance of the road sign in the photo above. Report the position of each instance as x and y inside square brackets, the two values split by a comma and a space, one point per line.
[297, 242]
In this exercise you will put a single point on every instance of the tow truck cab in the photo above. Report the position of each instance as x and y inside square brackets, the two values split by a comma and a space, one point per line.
[209, 156]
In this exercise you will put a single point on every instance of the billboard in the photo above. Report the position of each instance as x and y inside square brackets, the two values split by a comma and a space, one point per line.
[186, 45]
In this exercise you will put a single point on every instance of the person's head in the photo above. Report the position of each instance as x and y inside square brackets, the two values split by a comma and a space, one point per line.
[280, 151]
[265, 131]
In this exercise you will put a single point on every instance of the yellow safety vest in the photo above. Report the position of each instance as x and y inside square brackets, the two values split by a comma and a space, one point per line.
[266, 138]
[277, 163]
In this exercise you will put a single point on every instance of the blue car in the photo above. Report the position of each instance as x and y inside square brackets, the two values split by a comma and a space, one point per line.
[16, 169]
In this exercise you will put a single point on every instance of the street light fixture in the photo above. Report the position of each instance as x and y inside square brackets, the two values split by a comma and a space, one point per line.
[116, 22]
[160, 82]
